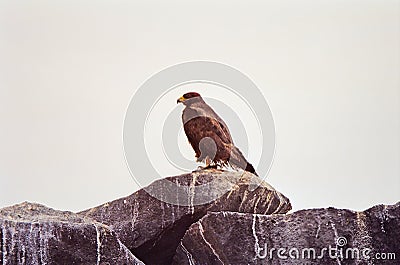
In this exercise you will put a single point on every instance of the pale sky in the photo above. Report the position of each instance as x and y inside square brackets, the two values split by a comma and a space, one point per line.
[330, 71]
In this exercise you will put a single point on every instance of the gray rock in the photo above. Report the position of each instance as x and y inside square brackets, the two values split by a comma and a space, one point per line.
[34, 234]
[238, 238]
[153, 226]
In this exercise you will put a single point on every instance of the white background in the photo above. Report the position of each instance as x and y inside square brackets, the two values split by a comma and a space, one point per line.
[330, 71]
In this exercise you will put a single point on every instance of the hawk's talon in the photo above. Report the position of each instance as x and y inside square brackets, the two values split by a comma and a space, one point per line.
[206, 167]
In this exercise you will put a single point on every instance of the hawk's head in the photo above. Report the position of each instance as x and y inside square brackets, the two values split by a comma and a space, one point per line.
[189, 98]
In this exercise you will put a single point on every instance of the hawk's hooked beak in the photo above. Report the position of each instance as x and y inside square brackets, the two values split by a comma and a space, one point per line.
[181, 99]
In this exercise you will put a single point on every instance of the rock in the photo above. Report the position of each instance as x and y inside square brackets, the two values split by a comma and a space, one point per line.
[239, 238]
[34, 234]
[153, 226]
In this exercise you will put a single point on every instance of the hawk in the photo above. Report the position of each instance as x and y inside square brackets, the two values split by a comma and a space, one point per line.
[209, 136]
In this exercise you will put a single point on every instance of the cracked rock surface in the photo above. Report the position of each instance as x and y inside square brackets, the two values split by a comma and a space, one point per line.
[34, 234]
[368, 237]
[205, 217]
[152, 227]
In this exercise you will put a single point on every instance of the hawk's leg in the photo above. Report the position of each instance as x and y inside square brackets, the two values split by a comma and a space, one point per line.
[209, 164]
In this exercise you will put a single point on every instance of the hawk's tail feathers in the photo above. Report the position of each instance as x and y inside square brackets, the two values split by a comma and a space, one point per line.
[250, 168]
[237, 159]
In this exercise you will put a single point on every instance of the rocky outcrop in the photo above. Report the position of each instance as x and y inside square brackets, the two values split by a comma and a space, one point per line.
[34, 234]
[205, 217]
[152, 226]
[316, 236]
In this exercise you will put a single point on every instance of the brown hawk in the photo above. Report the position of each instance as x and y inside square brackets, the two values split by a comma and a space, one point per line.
[209, 136]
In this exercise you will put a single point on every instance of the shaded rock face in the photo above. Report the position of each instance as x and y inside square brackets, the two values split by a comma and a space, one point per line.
[152, 228]
[34, 234]
[369, 237]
